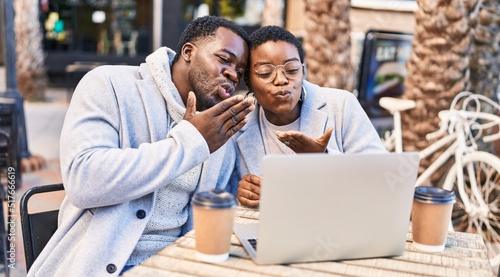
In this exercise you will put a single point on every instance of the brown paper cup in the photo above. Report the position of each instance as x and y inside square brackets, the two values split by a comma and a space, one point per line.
[431, 217]
[213, 225]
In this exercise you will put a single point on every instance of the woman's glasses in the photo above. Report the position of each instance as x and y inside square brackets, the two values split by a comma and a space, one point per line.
[268, 72]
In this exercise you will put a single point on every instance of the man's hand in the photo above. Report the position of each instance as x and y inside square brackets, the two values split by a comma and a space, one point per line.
[221, 121]
[249, 190]
[301, 143]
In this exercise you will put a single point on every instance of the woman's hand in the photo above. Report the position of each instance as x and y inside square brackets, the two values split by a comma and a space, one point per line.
[249, 190]
[300, 143]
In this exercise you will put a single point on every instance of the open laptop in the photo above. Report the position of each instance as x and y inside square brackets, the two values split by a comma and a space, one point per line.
[317, 207]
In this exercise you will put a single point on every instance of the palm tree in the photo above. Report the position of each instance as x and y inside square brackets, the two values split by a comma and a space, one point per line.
[273, 13]
[327, 43]
[438, 67]
[455, 44]
[31, 74]
[485, 57]
[485, 60]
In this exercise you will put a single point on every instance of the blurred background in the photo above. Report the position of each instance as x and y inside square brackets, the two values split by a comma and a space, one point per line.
[425, 50]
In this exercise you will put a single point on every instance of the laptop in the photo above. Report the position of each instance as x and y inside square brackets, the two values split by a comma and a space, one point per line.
[317, 207]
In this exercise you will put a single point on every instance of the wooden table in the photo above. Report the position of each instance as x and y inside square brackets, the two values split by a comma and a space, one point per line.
[464, 255]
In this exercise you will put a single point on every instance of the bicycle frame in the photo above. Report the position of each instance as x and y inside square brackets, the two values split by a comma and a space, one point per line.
[474, 174]
[451, 150]
[458, 130]
[394, 139]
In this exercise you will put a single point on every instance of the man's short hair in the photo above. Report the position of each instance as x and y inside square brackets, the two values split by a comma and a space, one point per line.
[204, 28]
[275, 33]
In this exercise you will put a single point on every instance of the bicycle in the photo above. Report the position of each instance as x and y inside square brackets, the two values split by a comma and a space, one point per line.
[474, 174]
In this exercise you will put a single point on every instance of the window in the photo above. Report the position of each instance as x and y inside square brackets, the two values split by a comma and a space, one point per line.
[243, 12]
[392, 5]
[117, 27]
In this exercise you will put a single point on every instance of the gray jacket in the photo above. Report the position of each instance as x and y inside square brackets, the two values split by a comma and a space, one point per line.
[117, 151]
[323, 107]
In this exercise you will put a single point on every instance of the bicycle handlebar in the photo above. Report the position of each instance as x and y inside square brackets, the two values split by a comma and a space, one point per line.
[443, 126]
[449, 118]
[435, 135]
[491, 138]
[469, 115]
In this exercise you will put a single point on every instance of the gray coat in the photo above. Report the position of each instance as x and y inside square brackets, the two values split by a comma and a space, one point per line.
[117, 150]
[323, 107]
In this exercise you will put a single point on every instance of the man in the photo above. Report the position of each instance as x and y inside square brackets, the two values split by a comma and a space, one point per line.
[137, 142]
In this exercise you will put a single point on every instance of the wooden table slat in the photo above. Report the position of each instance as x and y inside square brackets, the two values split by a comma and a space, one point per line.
[146, 271]
[465, 255]
[246, 212]
[411, 263]
[240, 264]
[193, 267]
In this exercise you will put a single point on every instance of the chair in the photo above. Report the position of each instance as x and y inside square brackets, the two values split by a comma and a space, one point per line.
[37, 228]
[3, 227]
[9, 151]
[129, 44]
[8, 161]
[5, 150]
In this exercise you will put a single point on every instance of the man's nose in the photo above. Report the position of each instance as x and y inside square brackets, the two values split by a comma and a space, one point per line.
[232, 74]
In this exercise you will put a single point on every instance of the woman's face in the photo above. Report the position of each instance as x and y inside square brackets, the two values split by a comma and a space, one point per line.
[275, 92]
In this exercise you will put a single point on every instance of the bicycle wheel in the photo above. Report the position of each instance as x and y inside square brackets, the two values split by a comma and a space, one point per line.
[477, 209]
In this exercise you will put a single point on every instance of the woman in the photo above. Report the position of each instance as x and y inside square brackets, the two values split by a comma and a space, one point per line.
[293, 115]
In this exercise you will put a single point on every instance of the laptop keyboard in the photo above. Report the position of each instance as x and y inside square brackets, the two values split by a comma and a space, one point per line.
[253, 242]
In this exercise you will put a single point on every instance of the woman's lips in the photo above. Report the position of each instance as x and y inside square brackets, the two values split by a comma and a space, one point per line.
[282, 94]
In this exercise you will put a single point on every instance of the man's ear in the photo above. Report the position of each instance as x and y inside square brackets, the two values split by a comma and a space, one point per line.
[187, 51]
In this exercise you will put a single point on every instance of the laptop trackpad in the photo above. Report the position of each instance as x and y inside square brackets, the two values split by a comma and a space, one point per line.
[247, 234]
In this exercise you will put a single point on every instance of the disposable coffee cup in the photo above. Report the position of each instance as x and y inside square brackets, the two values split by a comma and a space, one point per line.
[431, 217]
[213, 213]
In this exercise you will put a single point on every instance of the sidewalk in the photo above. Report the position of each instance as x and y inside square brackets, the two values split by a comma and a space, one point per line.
[43, 127]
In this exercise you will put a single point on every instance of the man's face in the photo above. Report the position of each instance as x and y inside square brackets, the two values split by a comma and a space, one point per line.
[216, 67]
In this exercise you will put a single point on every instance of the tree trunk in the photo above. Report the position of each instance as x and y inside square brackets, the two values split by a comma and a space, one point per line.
[438, 68]
[485, 57]
[273, 13]
[485, 61]
[31, 74]
[327, 43]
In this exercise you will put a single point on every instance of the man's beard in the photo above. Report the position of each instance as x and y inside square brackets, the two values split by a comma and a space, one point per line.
[200, 82]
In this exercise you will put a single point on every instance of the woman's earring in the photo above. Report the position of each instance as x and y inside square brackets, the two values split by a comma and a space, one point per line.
[250, 93]
[303, 94]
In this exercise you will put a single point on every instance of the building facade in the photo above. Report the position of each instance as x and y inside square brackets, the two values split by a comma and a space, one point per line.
[81, 34]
